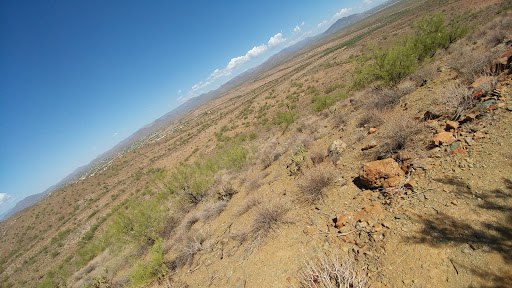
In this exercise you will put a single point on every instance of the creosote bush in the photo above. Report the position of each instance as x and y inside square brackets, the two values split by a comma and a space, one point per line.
[312, 184]
[146, 272]
[390, 65]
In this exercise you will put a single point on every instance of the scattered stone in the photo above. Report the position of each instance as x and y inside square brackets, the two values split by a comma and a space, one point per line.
[455, 202]
[369, 146]
[372, 130]
[381, 174]
[509, 108]
[451, 125]
[431, 115]
[470, 141]
[465, 250]
[410, 185]
[444, 138]
[386, 224]
[309, 230]
[399, 216]
[478, 94]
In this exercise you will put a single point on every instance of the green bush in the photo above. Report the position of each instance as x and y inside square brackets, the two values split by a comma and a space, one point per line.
[139, 222]
[146, 272]
[284, 119]
[320, 103]
[392, 64]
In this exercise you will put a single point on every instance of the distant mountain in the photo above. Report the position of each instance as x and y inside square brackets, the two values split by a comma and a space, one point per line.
[103, 160]
[28, 201]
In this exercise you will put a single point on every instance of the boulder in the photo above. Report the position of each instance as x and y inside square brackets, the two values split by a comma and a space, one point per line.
[334, 151]
[372, 130]
[336, 148]
[381, 174]
[444, 138]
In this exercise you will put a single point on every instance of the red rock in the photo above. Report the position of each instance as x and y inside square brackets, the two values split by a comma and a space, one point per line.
[382, 173]
[481, 80]
[451, 125]
[410, 184]
[478, 94]
[458, 150]
[444, 138]
[372, 130]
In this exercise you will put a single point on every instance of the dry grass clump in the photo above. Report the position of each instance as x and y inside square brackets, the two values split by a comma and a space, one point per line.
[371, 118]
[398, 132]
[479, 64]
[191, 244]
[383, 99]
[248, 204]
[424, 75]
[311, 186]
[332, 271]
[269, 154]
[456, 97]
[252, 185]
[317, 156]
[269, 217]
[212, 210]
[226, 192]
[189, 221]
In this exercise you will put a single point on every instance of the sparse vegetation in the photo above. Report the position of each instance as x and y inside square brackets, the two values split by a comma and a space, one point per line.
[330, 270]
[312, 185]
[145, 272]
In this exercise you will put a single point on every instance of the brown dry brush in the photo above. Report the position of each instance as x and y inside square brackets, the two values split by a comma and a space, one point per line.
[311, 185]
[330, 270]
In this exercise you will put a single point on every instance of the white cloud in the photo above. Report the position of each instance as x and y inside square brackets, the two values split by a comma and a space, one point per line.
[342, 13]
[233, 65]
[115, 134]
[179, 91]
[296, 29]
[276, 40]
[367, 2]
[4, 199]
[302, 24]
[321, 24]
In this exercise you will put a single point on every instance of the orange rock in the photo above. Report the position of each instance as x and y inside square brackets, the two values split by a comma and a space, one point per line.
[372, 130]
[451, 125]
[382, 173]
[444, 138]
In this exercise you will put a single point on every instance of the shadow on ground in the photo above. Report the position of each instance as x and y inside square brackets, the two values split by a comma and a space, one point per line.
[489, 236]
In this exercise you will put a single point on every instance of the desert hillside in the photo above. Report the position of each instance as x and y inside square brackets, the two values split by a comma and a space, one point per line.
[380, 156]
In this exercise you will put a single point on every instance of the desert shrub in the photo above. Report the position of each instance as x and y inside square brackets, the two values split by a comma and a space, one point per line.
[284, 119]
[332, 271]
[191, 244]
[139, 222]
[226, 192]
[385, 98]
[457, 99]
[269, 217]
[317, 156]
[191, 181]
[470, 70]
[312, 184]
[146, 272]
[424, 75]
[398, 132]
[390, 65]
[212, 210]
[321, 103]
[340, 120]
[371, 117]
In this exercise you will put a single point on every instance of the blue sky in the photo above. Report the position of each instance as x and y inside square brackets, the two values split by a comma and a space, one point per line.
[77, 77]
